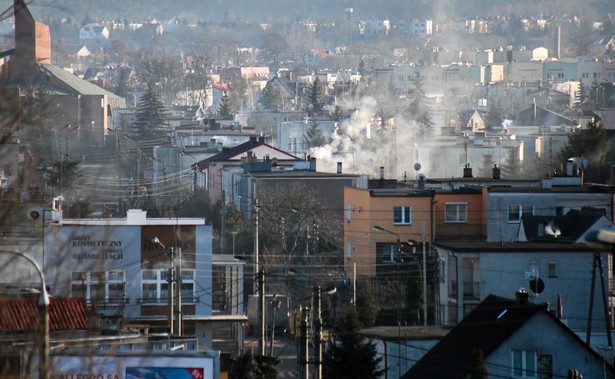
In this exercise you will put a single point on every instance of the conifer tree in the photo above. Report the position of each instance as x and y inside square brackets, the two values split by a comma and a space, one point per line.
[314, 136]
[150, 120]
[350, 355]
[419, 110]
[314, 100]
[225, 109]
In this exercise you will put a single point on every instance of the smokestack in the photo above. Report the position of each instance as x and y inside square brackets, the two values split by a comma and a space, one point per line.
[467, 171]
[534, 110]
[522, 297]
[339, 167]
[496, 172]
[381, 173]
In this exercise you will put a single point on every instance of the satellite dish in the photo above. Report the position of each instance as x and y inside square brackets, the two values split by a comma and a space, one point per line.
[417, 166]
[34, 213]
[421, 177]
[537, 285]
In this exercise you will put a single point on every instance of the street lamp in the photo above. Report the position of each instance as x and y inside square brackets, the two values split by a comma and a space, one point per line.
[43, 305]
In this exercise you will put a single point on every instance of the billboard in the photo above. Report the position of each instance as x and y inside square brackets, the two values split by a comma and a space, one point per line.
[145, 366]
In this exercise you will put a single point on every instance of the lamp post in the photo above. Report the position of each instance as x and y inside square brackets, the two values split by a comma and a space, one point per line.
[43, 306]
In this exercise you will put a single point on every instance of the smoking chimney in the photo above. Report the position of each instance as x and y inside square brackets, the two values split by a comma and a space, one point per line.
[496, 172]
[522, 296]
[339, 167]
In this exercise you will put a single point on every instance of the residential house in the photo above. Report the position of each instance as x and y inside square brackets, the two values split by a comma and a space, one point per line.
[556, 196]
[550, 269]
[472, 120]
[93, 33]
[254, 149]
[377, 221]
[259, 179]
[516, 338]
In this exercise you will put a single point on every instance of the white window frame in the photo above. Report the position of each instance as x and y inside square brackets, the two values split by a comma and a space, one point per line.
[405, 213]
[552, 269]
[460, 211]
[521, 369]
[159, 278]
[86, 281]
[520, 211]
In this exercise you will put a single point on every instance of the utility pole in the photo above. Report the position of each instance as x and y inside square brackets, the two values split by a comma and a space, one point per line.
[318, 332]
[171, 291]
[178, 285]
[304, 352]
[261, 313]
[256, 268]
[424, 280]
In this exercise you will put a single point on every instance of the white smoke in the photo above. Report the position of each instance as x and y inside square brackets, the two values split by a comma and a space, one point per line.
[364, 144]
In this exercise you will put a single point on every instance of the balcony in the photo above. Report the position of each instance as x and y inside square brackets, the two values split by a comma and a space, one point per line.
[471, 290]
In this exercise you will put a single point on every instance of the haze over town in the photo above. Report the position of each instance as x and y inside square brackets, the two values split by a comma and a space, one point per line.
[203, 187]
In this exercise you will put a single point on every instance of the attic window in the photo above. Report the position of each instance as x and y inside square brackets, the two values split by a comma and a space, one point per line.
[524, 364]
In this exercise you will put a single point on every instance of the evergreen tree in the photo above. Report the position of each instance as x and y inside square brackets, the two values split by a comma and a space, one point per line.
[123, 84]
[250, 366]
[590, 143]
[314, 136]
[271, 98]
[419, 110]
[224, 108]
[487, 164]
[512, 168]
[314, 100]
[151, 119]
[350, 355]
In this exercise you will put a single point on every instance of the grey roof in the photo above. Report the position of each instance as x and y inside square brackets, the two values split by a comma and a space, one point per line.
[76, 83]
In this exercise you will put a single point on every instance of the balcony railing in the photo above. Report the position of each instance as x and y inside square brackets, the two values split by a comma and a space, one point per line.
[164, 300]
[471, 290]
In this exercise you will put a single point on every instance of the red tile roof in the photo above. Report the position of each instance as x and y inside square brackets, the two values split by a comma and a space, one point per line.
[23, 314]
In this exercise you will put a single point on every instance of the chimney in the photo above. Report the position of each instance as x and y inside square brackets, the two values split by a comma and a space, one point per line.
[467, 171]
[381, 173]
[522, 297]
[534, 110]
[496, 172]
[339, 167]
[261, 139]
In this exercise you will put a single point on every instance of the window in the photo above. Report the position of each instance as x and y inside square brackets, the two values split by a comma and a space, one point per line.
[389, 253]
[515, 212]
[101, 286]
[402, 215]
[524, 364]
[155, 286]
[456, 213]
[552, 270]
